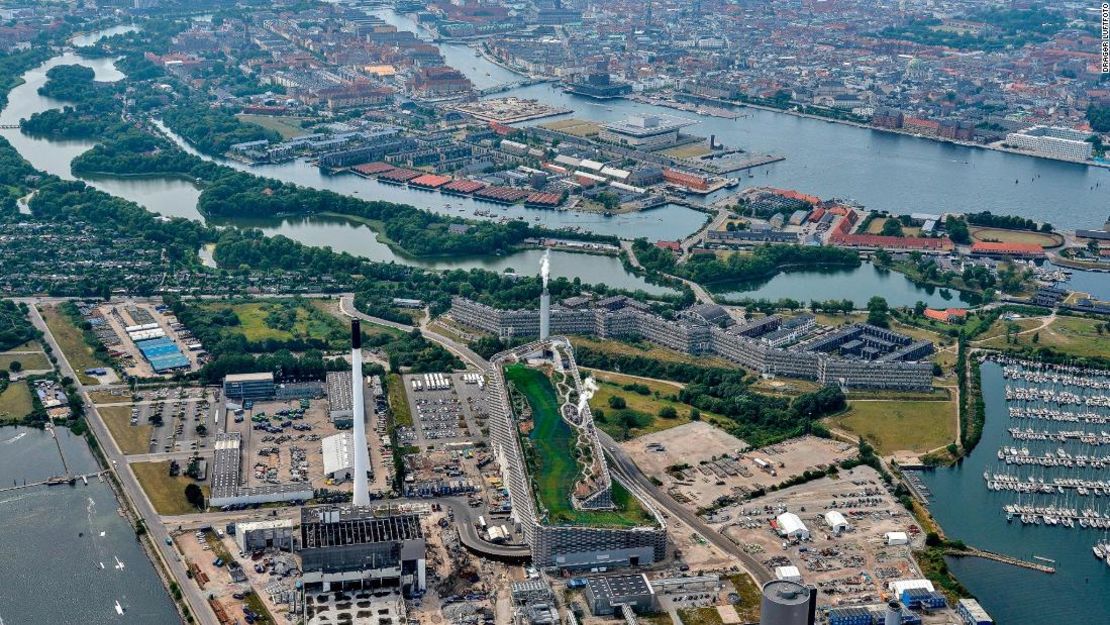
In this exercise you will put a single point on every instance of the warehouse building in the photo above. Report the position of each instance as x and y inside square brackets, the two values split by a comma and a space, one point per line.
[337, 451]
[346, 546]
[226, 487]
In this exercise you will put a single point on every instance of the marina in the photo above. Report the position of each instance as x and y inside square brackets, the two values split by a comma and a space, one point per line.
[1040, 494]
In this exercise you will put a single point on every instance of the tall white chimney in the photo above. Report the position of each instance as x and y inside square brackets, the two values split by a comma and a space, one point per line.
[361, 455]
[545, 297]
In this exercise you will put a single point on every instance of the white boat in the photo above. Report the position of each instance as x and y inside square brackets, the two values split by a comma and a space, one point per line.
[119, 608]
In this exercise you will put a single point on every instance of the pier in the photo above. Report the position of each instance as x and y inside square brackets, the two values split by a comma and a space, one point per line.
[972, 552]
[57, 480]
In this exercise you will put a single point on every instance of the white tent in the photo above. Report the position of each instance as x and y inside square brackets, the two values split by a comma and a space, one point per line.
[897, 538]
[836, 521]
[790, 525]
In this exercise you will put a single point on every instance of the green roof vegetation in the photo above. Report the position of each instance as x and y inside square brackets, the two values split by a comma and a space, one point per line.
[552, 457]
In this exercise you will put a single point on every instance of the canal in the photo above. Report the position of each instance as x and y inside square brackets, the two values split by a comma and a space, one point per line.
[858, 284]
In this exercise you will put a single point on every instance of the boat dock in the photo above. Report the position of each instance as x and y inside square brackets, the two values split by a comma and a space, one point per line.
[972, 552]
[57, 480]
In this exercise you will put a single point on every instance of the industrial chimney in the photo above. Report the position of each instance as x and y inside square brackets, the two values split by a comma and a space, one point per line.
[361, 460]
[545, 297]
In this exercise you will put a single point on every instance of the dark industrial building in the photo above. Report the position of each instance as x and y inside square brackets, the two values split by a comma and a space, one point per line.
[348, 546]
[605, 594]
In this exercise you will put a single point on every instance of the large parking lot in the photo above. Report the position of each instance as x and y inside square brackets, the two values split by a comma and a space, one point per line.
[182, 419]
[443, 408]
[281, 442]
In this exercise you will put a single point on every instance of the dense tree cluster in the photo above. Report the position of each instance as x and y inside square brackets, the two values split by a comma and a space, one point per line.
[764, 261]
[1010, 222]
[15, 328]
[213, 130]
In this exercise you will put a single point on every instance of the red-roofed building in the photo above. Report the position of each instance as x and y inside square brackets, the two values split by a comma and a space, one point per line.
[948, 315]
[673, 246]
[372, 169]
[462, 187]
[1019, 250]
[429, 181]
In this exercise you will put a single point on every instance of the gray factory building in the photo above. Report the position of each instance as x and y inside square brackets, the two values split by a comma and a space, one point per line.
[349, 546]
[605, 594]
[859, 356]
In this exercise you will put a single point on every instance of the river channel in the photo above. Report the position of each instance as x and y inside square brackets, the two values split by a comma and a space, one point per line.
[66, 555]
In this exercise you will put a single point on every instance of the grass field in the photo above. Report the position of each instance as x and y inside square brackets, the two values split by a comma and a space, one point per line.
[1076, 336]
[642, 412]
[1043, 239]
[282, 320]
[555, 467]
[131, 439]
[700, 616]
[750, 596]
[30, 361]
[72, 343]
[287, 127]
[398, 401]
[688, 151]
[998, 328]
[15, 401]
[166, 493]
[901, 425]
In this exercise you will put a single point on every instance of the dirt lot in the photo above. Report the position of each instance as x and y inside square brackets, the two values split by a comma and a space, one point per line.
[698, 463]
[200, 552]
[848, 569]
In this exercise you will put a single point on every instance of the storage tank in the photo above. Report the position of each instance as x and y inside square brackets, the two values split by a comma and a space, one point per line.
[787, 603]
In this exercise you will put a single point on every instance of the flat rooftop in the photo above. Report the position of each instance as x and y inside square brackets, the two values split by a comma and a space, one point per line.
[648, 125]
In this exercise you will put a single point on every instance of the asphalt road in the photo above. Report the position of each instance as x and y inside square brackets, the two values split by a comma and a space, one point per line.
[193, 595]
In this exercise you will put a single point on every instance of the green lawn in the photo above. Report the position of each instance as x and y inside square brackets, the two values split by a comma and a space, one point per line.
[901, 425]
[287, 127]
[131, 439]
[641, 416]
[750, 596]
[282, 320]
[700, 616]
[72, 343]
[553, 459]
[166, 494]
[15, 401]
[1070, 335]
[398, 400]
[31, 362]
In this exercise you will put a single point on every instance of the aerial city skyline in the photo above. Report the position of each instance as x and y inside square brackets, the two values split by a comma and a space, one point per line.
[555, 312]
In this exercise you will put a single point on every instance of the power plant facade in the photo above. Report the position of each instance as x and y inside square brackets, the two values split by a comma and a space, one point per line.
[856, 356]
[553, 544]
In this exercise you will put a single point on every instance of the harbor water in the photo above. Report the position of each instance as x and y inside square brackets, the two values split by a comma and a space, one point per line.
[1079, 592]
[66, 554]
